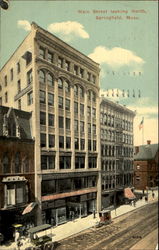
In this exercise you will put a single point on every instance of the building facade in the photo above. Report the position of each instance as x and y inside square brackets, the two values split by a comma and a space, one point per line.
[146, 166]
[116, 151]
[16, 168]
[60, 86]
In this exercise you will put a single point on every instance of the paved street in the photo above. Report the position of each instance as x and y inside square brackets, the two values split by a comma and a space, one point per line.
[119, 235]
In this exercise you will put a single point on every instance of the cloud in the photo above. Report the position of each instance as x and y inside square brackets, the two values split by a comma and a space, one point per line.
[116, 57]
[24, 24]
[69, 30]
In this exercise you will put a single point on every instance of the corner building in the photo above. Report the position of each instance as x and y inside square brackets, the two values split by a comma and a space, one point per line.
[60, 86]
[116, 151]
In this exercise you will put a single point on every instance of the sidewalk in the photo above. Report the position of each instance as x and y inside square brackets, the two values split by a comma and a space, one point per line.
[74, 227]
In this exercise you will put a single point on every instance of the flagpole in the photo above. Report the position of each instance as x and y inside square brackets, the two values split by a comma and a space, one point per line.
[143, 132]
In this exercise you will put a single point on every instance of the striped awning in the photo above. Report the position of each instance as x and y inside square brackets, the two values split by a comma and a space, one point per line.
[29, 208]
[129, 194]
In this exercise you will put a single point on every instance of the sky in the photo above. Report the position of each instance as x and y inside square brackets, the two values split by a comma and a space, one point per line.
[122, 36]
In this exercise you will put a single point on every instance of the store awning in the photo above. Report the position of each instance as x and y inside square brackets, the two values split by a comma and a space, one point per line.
[29, 208]
[129, 194]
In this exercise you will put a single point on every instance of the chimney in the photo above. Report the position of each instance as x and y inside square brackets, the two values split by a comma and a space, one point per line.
[148, 142]
[136, 150]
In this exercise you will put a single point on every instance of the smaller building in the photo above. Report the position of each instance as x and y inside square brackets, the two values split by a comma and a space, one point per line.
[146, 166]
[16, 169]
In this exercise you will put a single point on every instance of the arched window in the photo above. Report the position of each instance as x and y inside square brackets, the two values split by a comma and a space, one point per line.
[81, 91]
[17, 163]
[67, 86]
[50, 80]
[75, 90]
[93, 97]
[6, 164]
[60, 83]
[41, 76]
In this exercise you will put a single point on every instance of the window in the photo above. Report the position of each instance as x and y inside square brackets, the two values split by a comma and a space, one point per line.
[5, 80]
[11, 74]
[17, 163]
[89, 95]
[0, 100]
[67, 65]
[76, 107]
[92, 162]
[88, 76]
[42, 52]
[93, 79]
[61, 122]
[65, 162]
[81, 109]
[6, 164]
[61, 142]
[19, 86]
[94, 113]
[79, 162]
[50, 80]
[51, 120]
[50, 99]
[42, 118]
[41, 76]
[18, 67]
[68, 123]
[43, 140]
[28, 57]
[75, 69]
[19, 104]
[60, 62]
[47, 162]
[67, 86]
[30, 98]
[81, 126]
[42, 96]
[68, 142]
[82, 144]
[93, 97]
[81, 92]
[60, 102]
[51, 141]
[89, 128]
[75, 90]
[60, 83]
[29, 77]
[89, 145]
[50, 57]
[76, 143]
[94, 146]
[94, 129]
[81, 73]
[6, 97]
[67, 104]
[88, 111]
[76, 125]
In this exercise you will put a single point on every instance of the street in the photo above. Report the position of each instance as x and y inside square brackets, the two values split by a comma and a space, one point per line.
[123, 233]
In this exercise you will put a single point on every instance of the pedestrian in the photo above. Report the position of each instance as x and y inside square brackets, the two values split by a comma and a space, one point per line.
[153, 195]
[94, 213]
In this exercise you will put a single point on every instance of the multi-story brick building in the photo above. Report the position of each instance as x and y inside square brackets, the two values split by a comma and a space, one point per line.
[16, 168]
[146, 166]
[60, 86]
[116, 151]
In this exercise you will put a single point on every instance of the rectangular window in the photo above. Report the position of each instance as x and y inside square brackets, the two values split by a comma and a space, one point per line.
[79, 162]
[42, 96]
[50, 57]
[89, 128]
[29, 77]
[94, 113]
[81, 126]
[81, 109]
[92, 162]
[60, 102]
[61, 142]
[19, 104]
[67, 104]
[47, 162]
[76, 143]
[50, 99]
[51, 141]
[42, 118]
[19, 86]
[93, 79]
[30, 98]
[88, 111]
[11, 74]
[82, 144]
[68, 121]
[68, 142]
[75, 70]
[94, 146]
[18, 67]
[5, 80]
[28, 57]
[60, 62]
[43, 140]
[6, 97]
[81, 73]
[67, 65]
[76, 107]
[42, 52]
[89, 145]
[88, 76]
[51, 120]
[76, 125]
[0, 100]
[61, 122]
[94, 129]
[65, 162]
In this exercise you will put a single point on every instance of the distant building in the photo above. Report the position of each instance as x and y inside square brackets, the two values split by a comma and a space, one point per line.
[60, 86]
[116, 151]
[16, 168]
[146, 166]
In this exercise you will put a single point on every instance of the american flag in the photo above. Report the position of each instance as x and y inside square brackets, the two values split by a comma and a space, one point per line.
[141, 124]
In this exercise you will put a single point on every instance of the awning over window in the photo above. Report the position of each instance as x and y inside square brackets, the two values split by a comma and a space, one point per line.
[129, 194]
[29, 208]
